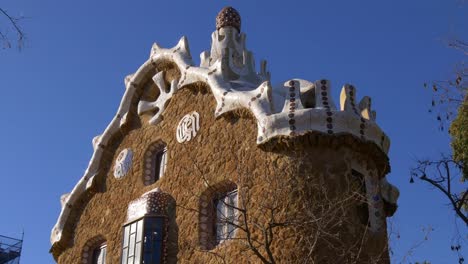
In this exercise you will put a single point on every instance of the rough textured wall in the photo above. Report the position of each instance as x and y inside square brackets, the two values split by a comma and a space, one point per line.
[267, 177]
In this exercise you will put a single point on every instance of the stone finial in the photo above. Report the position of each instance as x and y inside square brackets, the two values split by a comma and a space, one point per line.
[228, 17]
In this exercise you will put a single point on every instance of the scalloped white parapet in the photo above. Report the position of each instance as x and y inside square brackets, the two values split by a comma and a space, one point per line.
[292, 108]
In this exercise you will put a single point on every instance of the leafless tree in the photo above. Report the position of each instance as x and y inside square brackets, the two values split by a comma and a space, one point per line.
[443, 174]
[11, 23]
[405, 256]
[324, 217]
[448, 174]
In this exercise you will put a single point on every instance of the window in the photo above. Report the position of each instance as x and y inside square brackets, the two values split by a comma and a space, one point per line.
[99, 254]
[94, 251]
[225, 206]
[155, 162]
[143, 241]
[359, 186]
[218, 214]
[160, 163]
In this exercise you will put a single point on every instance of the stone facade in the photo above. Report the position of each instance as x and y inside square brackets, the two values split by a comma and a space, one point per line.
[291, 163]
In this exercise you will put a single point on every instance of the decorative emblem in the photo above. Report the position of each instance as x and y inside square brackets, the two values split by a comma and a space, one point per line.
[123, 163]
[188, 127]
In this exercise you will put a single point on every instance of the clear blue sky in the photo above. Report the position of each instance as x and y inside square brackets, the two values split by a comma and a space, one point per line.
[65, 86]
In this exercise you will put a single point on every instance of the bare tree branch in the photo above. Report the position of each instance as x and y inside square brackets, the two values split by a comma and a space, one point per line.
[14, 23]
[442, 181]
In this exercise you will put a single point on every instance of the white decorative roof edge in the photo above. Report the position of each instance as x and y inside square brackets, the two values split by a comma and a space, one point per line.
[229, 72]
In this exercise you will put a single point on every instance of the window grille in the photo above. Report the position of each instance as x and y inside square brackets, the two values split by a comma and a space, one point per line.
[225, 221]
[143, 241]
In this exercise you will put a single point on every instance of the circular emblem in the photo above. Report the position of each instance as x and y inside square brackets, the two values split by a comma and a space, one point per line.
[188, 127]
[123, 163]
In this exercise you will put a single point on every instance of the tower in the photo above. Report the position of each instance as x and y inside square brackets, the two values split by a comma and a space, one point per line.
[214, 163]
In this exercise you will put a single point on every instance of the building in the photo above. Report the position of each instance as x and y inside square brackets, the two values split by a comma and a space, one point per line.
[214, 164]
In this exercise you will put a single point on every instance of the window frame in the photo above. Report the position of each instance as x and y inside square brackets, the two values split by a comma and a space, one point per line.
[230, 212]
[159, 163]
[141, 254]
[100, 249]
[91, 246]
[154, 167]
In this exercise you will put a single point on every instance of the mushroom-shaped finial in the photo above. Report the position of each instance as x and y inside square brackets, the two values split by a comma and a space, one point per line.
[228, 17]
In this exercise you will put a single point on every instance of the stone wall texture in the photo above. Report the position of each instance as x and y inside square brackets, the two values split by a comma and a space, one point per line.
[303, 183]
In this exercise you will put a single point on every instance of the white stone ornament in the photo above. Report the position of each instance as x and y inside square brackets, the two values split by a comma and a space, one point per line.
[123, 163]
[188, 127]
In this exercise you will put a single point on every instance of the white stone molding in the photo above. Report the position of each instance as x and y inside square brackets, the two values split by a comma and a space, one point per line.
[231, 80]
[63, 199]
[123, 163]
[188, 127]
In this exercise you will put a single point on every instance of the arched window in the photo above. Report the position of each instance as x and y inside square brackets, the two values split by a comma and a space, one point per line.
[218, 214]
[95, 251]
[155, 162]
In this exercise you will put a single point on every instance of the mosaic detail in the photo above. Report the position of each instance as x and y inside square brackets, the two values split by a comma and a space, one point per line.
[184, 76]
[351, 94]
[188, 127]
[292, 108]
[153, 202]
[374, 199]
[324, 95]
[362, 128]
[228, 17]
[223, 99]
[123, 163]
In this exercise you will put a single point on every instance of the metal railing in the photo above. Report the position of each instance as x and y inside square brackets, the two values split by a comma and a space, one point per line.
[10, 250]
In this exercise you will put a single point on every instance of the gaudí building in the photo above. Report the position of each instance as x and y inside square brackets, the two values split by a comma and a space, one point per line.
[213, 163]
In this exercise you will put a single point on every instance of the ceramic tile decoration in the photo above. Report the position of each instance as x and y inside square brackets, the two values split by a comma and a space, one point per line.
[123, 163]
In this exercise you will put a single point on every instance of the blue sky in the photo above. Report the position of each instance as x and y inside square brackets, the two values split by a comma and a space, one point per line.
[65, 86]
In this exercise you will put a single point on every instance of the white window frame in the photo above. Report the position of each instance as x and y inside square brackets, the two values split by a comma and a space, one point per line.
[225, 206]
[135, 238]
[99, 254]
[162, 163]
